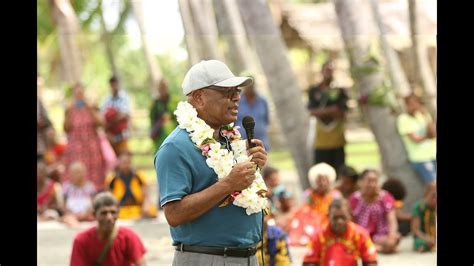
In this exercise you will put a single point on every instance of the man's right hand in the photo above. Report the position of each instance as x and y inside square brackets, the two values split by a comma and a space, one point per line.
[241, 176]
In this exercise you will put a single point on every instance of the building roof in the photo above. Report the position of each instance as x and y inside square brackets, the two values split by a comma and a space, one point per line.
[316, 25]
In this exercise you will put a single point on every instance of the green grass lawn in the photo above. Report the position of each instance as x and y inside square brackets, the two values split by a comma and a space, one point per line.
[360, 155]
[363, 155]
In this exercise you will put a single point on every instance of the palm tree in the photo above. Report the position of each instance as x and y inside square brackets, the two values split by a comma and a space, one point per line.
[285, 92]
[65, 19]
[397, 76]
[107, 35]
[153, 69]
[192, 43]
[231, 28]
[368, 76]
[423, 73]
[205, 28]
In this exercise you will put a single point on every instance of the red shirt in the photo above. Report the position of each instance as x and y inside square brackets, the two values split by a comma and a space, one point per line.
[327, 249]
[126, 248]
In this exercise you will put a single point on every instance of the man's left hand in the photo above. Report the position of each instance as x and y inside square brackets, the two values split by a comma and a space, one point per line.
[258, 153]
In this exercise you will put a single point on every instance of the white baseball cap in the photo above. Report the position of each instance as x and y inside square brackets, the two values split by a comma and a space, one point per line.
[211, 72]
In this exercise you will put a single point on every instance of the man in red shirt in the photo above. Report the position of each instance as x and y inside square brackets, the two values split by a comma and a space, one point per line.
[125, 248]
[341, 242]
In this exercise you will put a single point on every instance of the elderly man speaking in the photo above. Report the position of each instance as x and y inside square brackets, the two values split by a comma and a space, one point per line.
[210, 187]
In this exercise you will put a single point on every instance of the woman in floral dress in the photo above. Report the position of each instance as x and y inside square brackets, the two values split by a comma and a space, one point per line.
[80, 123]
[374, 209]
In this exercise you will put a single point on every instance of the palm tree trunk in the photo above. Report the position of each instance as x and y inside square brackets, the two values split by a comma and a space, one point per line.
[231, 28]
[286, 94]
[68, 30]
[240, 56]
[381, 121]
[153, 69]
[397, 76]
[423, 73]
[190, 32]
[107, 35]
[106, 39]
[206, 30]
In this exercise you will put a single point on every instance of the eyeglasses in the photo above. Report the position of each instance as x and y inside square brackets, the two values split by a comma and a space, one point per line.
[228, 92]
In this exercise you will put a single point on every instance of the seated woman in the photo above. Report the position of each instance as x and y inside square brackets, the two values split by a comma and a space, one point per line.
[424, 220]
[313, 214]
[49, 203]
[374, 209]
[129, 188]
[78, 194]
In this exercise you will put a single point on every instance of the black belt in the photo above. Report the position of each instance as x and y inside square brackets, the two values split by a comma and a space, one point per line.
[230, 252]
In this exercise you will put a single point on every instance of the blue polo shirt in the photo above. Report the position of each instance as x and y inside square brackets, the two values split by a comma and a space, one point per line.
[259, 111]
[182, 170]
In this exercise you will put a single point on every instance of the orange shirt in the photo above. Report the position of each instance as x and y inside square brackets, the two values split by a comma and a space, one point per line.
[320, 203]
[328, 249]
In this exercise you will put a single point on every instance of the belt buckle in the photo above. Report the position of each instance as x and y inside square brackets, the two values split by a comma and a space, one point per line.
[250, 250]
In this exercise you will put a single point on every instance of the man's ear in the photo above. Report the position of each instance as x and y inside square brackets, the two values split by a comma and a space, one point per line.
[198, 98]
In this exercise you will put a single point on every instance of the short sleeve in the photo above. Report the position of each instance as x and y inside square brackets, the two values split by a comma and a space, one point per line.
[404, 125]
[353, 201]
[78, 256]
[174, 173]
[124, 104]
[313, 250]
[367, 248]
[135, 248]
[388, 201]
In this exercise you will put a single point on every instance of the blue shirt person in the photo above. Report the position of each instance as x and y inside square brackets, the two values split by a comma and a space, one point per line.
[252, 104]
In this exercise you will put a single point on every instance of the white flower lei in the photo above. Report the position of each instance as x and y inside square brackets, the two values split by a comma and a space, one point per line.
[222, 160]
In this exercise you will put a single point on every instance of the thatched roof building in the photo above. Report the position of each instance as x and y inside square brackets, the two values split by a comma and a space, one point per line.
[315, 26]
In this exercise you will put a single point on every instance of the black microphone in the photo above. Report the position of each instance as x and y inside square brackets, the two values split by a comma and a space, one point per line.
[249, 124]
